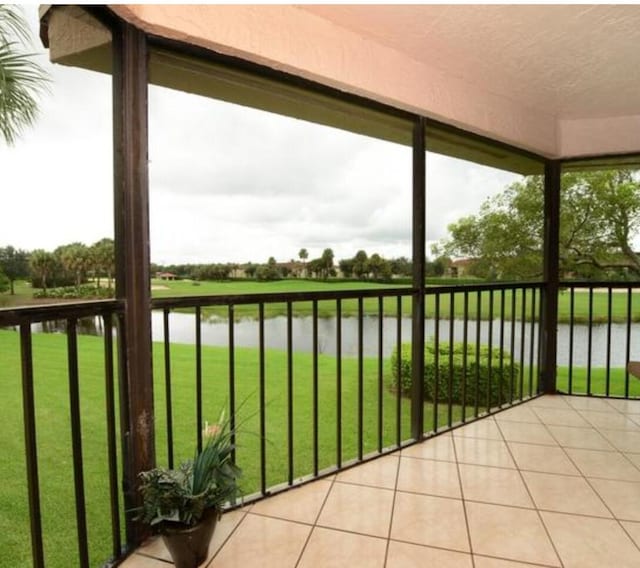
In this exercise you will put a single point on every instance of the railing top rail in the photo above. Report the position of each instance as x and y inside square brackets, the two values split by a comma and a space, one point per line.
[597, 284]
[61, 310]
[273, 297]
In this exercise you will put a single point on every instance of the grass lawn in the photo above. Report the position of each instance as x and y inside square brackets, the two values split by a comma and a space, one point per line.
[54, 444]
[181, 288]
[579, 381]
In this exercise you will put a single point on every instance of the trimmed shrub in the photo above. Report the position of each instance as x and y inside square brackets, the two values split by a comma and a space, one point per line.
[471, 383]
[86, 291]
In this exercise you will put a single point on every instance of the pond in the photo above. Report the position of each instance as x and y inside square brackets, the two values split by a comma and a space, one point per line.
[216, 332]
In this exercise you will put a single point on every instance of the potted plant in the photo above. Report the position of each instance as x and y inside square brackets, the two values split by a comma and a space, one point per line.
[184, 504]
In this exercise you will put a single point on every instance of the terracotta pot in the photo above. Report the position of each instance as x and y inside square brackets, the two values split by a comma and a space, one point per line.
[189, 546]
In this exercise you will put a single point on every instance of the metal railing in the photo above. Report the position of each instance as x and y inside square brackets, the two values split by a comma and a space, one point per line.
[308, 381]
[598, 331]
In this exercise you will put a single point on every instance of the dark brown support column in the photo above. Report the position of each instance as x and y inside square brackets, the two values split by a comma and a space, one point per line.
[419, 257]
[131, 204]
[551, 270]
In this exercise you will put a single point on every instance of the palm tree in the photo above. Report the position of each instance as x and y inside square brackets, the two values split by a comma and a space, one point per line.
[42, 265]
[21, 78]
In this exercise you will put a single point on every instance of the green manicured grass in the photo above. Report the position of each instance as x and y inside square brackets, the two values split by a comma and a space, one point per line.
[54, 442]
[182, 288]
[581, 383]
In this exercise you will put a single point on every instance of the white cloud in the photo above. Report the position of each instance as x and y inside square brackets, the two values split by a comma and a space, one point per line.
[227, 183]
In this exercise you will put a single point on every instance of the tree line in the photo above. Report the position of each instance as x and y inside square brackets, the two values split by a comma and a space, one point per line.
[599, 224]
[68, 265]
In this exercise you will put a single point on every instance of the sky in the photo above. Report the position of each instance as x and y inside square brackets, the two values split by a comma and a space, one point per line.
[227, 183]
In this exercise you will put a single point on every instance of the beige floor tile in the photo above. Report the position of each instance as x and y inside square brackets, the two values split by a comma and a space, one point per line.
[622, 497]
[430, 477]
[633, 530]
[562, 417]
[588, 542]
[609, 420]
[565, 494]
[140, 561]
[625, 406]
[438, 448]
[263, 541]
[586, 438]
[633, 458]
[358, 508]
[527, 433]
[518, 414]
[510, 533]
[532, 457]
[623, 440]
[483, 428]
[381, 472]
[486, 562]
[589, 403]
[483, 452]
[429, 520]
[549, 401]
[494, 485]
[404, 555]
[301, 504]
[336, 549]
[608, 465]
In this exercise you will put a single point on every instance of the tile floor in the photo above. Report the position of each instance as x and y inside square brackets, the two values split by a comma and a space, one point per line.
[552, 482]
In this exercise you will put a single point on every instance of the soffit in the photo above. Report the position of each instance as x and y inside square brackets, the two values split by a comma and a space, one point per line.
[572, 61]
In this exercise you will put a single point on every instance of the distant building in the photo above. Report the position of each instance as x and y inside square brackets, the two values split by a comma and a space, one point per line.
[166, 276]
[461, 267]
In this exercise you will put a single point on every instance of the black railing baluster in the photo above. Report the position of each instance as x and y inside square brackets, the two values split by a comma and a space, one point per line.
[398, 371]
[628, 346]
[465, 345]
[360, 378]
[380, 372]
[199, 421]
[501, 356]
[31, 447]
[232, 379]
[532, 339]
[112, 449]
[76, 441]
[263, 410]
[512, 345]
[314, 415]
[436, 362]
[572, 305]
[523, 341]
[290, 433]
[339, 382]
[589, 340]
[477, 362]
[608, 363]
[167, 385]
[452, 319]
[490, 352]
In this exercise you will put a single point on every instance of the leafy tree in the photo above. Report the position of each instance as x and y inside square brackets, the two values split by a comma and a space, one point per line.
[401, 266]
[42, 264]
[15, 264]
[346, 267]
[75, 259]
[378, 267]
[102, 260]
[4, 283]
[599, 218]
[21, 78]
[360, 264]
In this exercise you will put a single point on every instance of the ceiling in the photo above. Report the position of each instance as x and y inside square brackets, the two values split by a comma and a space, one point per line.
[571, 61]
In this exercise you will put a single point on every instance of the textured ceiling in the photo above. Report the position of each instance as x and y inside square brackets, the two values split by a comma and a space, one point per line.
[570, 61]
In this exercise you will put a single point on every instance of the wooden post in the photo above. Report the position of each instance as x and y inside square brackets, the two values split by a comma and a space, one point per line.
[131, 209]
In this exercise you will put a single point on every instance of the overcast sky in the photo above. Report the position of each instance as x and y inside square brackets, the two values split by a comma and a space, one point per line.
[227, 183]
